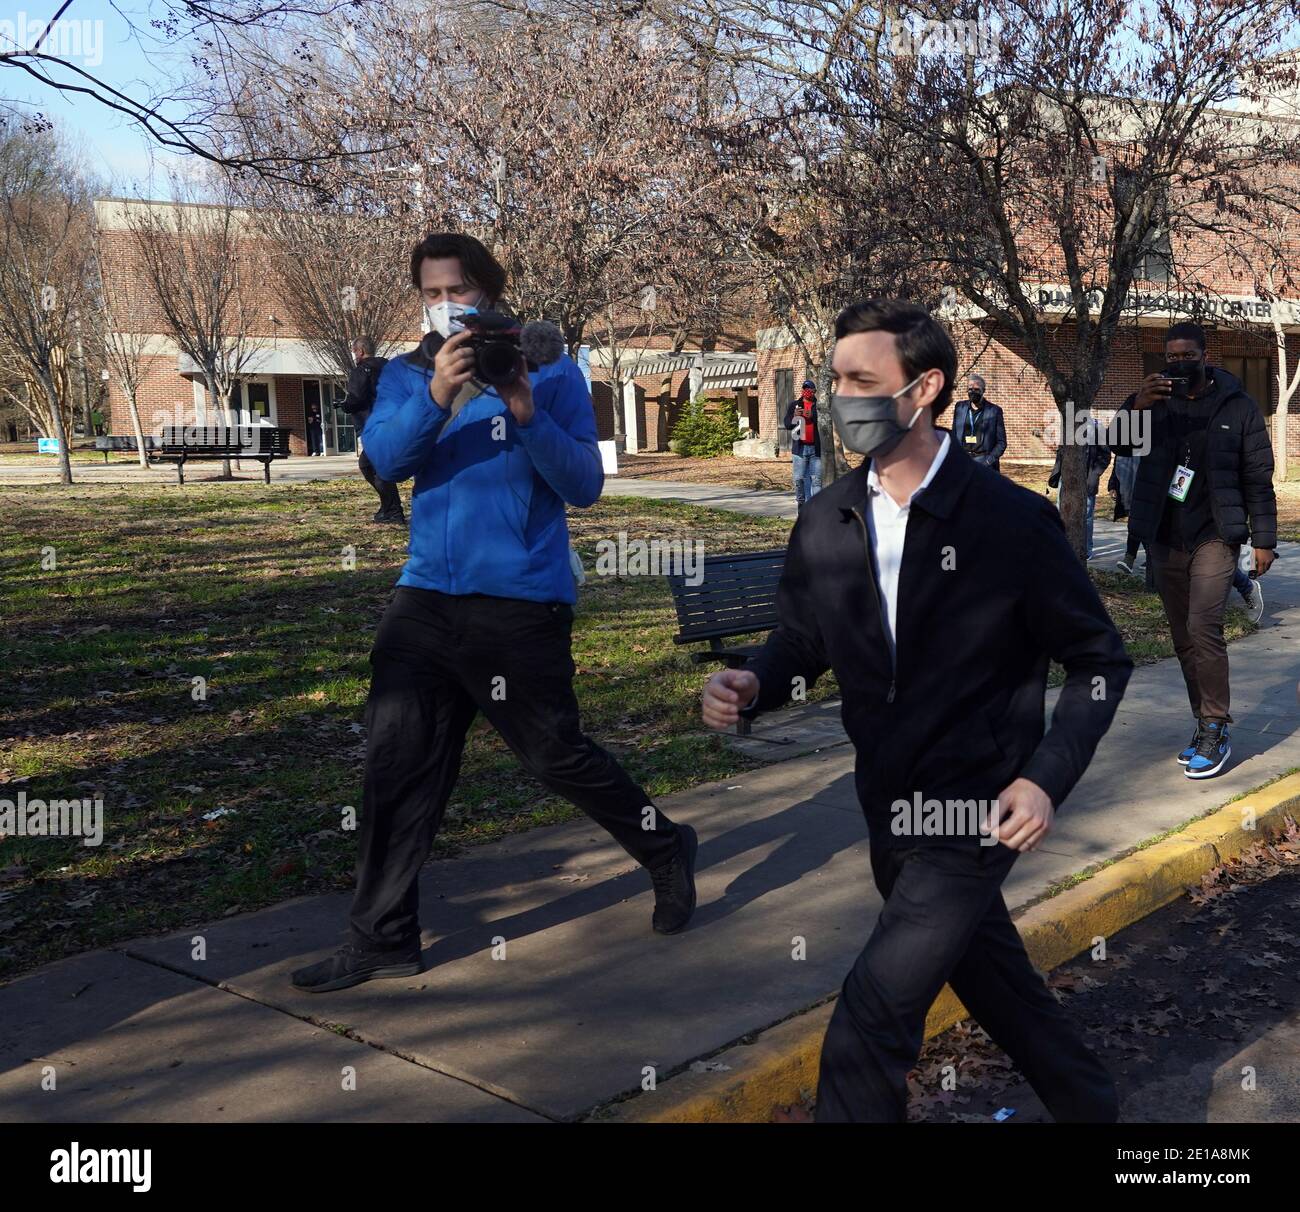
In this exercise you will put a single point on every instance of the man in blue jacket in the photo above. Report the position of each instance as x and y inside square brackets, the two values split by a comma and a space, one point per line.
[481, 618]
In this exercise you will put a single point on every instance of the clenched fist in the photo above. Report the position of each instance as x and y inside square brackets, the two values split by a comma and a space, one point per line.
[725, 693]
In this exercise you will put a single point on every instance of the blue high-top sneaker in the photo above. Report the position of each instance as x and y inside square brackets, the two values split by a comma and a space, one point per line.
[1190, 752]
[1212, 751]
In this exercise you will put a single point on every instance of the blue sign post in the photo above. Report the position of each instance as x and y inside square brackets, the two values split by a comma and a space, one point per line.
[584, 364]
[47, 445]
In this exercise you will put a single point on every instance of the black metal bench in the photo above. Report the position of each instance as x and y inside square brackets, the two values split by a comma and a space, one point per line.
[736, 597]
[180, 444]
[127, 443]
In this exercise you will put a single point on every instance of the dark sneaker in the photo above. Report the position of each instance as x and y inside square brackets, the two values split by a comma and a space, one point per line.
[1254, 602]
[1190, 752]
[674, 885]
[351, 965]
[1211, 754]
[396, 518]
[1126, 564]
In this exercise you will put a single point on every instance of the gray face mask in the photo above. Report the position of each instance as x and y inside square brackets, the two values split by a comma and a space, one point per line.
[869, 424]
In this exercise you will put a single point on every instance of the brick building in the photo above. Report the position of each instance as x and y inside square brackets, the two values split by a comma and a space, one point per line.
[762, 374]
[282, 378]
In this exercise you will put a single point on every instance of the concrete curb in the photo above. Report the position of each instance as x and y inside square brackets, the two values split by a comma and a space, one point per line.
[779, 1065]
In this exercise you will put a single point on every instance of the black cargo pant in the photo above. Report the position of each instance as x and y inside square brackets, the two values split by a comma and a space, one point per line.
[944, 919]
[390, 500]
[438, 660]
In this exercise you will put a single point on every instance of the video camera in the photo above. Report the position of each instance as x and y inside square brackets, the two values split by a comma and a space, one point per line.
[497, 341]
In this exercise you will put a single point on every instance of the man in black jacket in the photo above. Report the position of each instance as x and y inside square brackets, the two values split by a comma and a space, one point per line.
[978, 426]
[359, 401]
[1204, 488]
[900, 579]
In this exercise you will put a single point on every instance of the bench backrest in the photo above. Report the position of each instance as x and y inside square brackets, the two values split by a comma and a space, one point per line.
[248, 440]
[123, 442]
[736, 596]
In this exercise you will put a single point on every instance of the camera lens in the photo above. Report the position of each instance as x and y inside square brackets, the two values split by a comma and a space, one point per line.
[497, 362]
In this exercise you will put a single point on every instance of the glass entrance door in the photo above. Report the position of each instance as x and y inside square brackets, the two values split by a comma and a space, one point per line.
[343, 431]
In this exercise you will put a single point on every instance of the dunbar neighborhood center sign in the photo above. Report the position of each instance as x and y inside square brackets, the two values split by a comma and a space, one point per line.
[1051, 299]
[1057, 300]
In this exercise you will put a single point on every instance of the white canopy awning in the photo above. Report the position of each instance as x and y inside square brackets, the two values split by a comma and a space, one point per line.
[276, 357]
[719, 369]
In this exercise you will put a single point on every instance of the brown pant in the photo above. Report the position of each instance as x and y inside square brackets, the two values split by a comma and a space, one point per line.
[1193, 586]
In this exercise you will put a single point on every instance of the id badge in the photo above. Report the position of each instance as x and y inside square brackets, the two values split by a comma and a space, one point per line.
[1181, 482]
[970, 439]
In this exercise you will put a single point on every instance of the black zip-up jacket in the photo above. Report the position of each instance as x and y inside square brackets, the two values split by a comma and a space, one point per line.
[363, 378]
[989, 592]
[1238, 460]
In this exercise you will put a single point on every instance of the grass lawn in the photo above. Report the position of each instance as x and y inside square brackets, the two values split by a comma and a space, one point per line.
[245, 586]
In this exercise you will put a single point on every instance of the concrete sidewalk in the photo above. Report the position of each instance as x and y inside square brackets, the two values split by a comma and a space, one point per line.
[547, 995]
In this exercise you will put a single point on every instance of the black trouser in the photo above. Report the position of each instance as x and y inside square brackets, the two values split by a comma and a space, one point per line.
[390, 500]
[944, 919]
[438, 660]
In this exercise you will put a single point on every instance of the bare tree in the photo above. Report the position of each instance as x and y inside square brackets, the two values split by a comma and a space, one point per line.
[225, 42]
[202, 265]
[341, 275]
[1031, 147]
[124, 345]
[44, 243]
[1265, 249]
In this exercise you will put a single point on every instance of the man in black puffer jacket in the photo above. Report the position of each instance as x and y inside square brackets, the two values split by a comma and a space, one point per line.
[359, 402]
[1204, 488]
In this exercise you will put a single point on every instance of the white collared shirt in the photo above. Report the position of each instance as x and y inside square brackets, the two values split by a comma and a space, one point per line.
[888, 524]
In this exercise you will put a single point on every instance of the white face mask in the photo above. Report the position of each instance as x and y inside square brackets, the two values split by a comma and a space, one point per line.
[444, 317]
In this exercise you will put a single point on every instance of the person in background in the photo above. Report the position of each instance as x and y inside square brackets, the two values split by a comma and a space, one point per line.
[358, 403]
[978, 426]
[314, 443]
[1098, 459]
[1122, 478]
[805, 444]
[1204, 488]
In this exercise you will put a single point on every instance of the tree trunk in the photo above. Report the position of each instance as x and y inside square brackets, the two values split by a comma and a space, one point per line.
[834, 464]
[134, 409]
[1073, 495]
[616, 401]
[56, 415]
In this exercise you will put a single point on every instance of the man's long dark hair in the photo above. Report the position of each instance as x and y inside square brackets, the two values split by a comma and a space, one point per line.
[479, 266]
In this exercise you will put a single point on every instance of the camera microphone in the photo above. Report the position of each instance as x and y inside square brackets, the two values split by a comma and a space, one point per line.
[541, 342]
